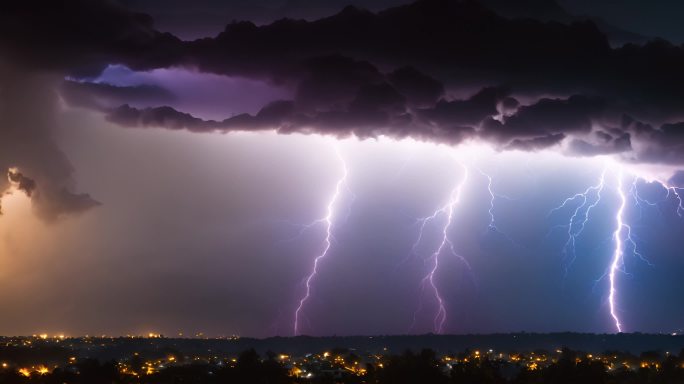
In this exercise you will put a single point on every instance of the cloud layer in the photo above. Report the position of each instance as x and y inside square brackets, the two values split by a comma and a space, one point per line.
[414, 70]
[437, 70]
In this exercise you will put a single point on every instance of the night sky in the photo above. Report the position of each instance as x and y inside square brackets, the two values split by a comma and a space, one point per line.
[286, 167]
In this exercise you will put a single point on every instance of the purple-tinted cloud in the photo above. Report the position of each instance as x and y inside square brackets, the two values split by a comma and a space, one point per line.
[356, 73]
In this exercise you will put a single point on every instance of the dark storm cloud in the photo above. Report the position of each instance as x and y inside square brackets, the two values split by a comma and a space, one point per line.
[401, 72]
[663, 144]
[103, 96]
[28, 107]
[41, 42]
[549, 10]
[547, 116]
[536, 143]
[606, 146]
[436, 34]
[419, 89]
[272, 115]
[628, 123]
[54, 201]
[379, 109]
[469, 112]
[329, 82]
[622, 22]
[405, 51]
[81, 36]
[376, 104]
[651, 18]
[458, 42]
[22, 182]
[203, 18]
[166, 117]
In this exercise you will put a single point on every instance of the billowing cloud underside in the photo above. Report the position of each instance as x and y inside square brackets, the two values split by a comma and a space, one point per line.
[436, 70]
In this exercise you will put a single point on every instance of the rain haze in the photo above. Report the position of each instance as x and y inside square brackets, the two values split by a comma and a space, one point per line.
[277, 167]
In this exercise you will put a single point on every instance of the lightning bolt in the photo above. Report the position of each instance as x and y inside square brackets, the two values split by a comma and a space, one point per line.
[634, 191]
[446, 211]
[580, 216]
[327, 243]
[623, 239]
[617, 261]
[639, 201]
[671, 191]
[622, 235]
[304, 228]
[680, 206]
[492, 197]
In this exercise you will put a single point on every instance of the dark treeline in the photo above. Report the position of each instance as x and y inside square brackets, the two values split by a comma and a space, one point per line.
[114, 348]
[410, 367]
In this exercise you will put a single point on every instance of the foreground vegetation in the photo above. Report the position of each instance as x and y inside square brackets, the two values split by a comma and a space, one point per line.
[424, 367]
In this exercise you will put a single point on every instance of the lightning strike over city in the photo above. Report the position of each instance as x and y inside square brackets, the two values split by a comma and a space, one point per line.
[583, 203]
[300, 191]
[617, 261]
[493, 196]
[445, 213]
[678, 197]
[328, 221]
[622, 237]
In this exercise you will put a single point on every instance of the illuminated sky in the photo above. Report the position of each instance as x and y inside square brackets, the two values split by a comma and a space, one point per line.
[512, 175]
